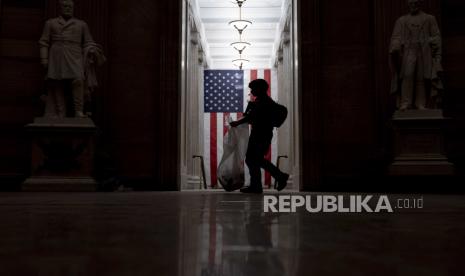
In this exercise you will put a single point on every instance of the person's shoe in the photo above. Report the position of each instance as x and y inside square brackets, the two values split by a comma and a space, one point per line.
[282, 183]
[251, 190]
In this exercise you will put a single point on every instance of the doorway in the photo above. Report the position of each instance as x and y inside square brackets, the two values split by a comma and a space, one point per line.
[273, 55]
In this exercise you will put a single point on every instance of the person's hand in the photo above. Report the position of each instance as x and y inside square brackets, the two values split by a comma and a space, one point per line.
[234, 124]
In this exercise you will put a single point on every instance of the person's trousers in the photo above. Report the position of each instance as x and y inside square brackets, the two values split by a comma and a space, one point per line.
[255, 160]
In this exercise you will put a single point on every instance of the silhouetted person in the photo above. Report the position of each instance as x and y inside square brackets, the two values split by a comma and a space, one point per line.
[259, 114]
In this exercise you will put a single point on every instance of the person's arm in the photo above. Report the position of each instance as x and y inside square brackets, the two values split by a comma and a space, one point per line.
[44, 44]
[395, 49]
[246, 118]
[239, 122]
[396, 38]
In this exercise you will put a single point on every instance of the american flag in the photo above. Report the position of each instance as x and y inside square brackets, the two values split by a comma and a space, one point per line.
[226, 95]
[224, 91]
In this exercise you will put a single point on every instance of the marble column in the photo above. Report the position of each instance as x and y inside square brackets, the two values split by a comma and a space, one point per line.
[287, 133]
[192, 105]
[192, 91]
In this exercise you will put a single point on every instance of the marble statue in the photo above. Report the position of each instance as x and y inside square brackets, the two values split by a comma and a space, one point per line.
[69, 55]
[415, 57]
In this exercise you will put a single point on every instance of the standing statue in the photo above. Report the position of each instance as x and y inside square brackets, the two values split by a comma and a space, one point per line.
[70, 55]
[415, 59]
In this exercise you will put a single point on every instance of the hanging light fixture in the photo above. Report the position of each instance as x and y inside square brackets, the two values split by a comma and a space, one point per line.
[240, 46]
[240, 25]
[240, 2]
[240, 62]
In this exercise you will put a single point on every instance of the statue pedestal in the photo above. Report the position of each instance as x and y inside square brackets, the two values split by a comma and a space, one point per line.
[62, 155]
[419, 144]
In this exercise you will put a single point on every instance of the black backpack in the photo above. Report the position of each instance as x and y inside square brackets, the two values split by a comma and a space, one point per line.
[279, 114]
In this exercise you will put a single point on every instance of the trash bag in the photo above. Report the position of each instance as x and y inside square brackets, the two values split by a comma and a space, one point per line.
[231, 168]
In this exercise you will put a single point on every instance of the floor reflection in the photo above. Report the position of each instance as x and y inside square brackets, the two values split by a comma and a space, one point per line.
[234, 237]
[227, 234]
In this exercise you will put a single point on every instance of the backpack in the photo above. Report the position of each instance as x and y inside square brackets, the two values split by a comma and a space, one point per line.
[279, 114]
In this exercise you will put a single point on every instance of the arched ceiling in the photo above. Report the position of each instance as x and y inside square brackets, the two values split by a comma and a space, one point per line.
[215, 16]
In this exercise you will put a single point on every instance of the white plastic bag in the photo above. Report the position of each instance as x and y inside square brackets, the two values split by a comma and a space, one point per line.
[231, 168]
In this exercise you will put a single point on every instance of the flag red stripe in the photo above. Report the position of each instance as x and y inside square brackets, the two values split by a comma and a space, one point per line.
[267, 75]
[213, 149]
[253, 75]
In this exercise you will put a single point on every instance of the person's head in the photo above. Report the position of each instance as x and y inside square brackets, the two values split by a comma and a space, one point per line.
[259, 88]
[414, 6]
[67, 8]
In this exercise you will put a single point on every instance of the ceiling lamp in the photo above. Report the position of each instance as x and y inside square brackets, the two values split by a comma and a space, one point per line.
[240, 46]
[240, 2]
[240, 25]
[240, 62]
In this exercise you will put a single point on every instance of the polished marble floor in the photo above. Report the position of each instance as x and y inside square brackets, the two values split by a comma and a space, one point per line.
[214, 233]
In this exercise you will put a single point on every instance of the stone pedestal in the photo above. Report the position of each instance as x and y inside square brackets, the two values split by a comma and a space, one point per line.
[62, 155]
[419, 144]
